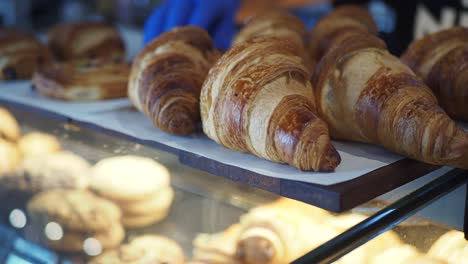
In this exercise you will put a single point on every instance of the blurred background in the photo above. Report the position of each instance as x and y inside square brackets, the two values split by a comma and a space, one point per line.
[37, 15]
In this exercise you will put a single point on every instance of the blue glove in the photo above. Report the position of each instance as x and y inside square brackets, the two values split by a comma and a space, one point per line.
[216, 16]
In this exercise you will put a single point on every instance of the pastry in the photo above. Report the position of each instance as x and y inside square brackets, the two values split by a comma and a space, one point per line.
[77, 210]
[9, 158]
[144, 249]
[441, 60]
[258, 99]
[140, 186]
[128, 178]
[404, 254]
[167, 76]
[59, 170]
[9, 128]
[38, 144]
[20, 55]
[85, 40]
[73, 241]
[451, 247]
[159, 202]
[344, 21]
[365, 94]
[277, 24]
[83, 80]
[218, 248]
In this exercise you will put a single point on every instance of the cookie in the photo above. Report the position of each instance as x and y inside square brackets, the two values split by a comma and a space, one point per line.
[9, 128]
[78, 210]
[144, 249]
[38, 144]
[136, 221]
[160, 201]
[128, 178]
[9, 157]
[73, 241]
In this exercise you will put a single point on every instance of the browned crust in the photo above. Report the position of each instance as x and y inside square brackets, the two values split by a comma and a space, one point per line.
[170, 84]
[62, 36]
[21, 60]
[56, 80]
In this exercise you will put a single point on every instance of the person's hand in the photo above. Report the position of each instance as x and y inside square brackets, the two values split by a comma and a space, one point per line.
[216, 16]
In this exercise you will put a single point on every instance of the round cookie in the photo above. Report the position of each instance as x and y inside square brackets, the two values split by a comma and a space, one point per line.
[62, 169]
[78, 210]
[74, 241]
[144, 249]
[160, 201]
[9, 157]
[136, 221]
[38, 144]
[9, 128]
[128, 178]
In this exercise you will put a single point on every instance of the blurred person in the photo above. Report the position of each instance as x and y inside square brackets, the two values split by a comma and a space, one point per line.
[413, 18]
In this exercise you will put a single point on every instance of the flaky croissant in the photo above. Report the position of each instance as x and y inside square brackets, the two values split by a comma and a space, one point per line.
[344, 21]
[167, 76]
[451, 247]
[441, 59]
[365, 94]
[258, 99]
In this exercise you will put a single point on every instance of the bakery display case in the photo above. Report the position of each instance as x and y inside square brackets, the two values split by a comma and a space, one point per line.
[293, 146]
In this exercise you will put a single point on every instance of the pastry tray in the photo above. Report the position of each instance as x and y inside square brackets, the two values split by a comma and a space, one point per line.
[365, 172]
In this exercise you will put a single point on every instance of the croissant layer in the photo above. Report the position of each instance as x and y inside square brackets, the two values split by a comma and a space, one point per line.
[258, 99]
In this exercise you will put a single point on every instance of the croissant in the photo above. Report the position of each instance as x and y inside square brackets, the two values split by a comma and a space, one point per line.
[365, 94]
[441, 59]
[344, 21]
[218, 248]
[276, 24]
[167, 76]
[258, 99]
[280, 232]
[451, 247]
[85, 40]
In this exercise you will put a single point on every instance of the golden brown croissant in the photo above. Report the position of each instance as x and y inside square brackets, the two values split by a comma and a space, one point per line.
[344, 21]
[258, 99]
[365, 94]
[280, 232]
[85, 40]
[276, 24]
[20, 55]
[441, 59]
[167, 76]
[218, 248]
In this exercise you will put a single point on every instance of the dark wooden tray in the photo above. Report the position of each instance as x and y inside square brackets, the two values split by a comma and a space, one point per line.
[336, 198]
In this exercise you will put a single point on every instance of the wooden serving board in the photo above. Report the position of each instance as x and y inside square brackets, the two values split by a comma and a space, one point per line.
[336, 198]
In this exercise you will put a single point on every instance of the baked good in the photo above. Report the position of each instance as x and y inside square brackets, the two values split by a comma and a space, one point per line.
[9, 157]
[343, 21]
[451, 247]
[59, 170]
[20, 54]
[85, 40]
[218, 248]
[159, 202]
[140, 186]
[38, 144]
[77, 210]
[167, 76]
[441, 60]
[9, 128]
[83, 80]
[258, 99]
[128, 178]
[276, 24]
[365, 94]
[144, 249]
[73, 241]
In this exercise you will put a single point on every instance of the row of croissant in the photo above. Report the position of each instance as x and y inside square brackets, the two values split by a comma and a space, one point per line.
[281, 93]
[259, 96]
[284, 230]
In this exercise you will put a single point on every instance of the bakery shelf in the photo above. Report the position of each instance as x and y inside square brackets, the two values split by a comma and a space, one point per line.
[336, 198]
